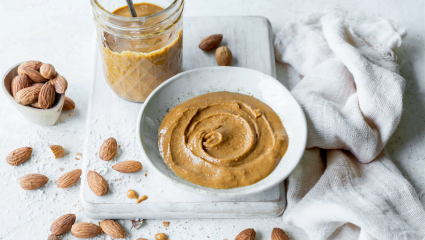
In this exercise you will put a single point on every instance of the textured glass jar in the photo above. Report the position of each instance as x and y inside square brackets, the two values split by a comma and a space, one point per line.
[138, 54]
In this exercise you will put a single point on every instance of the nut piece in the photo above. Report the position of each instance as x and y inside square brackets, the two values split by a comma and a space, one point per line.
[113, 229]
[63, 224]
[33, 181]
[223, 55]
[279, 234]
[141, 239]
[97, 183]
[85, 230]
[27, 95]
[34, 75]
[68, 179]
[210, 42]
[68, 105]
[47, 71]
[53, 237]
[108, 149]
[31, 64]
[19, 156]
[128, 166]
[247, 234]
[60, 84]
[57, 150]
[19, 82]
[47, 96]
[166, 224]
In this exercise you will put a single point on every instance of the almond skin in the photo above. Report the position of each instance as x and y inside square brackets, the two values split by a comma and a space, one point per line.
[247, 234]
[47, 71]
[68, 179]
[68, 105]
[19, 156]
[37, 84]
[53, 237]
[128, 166]
[63, 224]
[34, 75]
[47, 96]
[27, 95]
[113, 229]
[60, 84]
[210, 42]
[19, 82]
[108, 149]
[85, 230]
[57, 150]
[223, 55]
[97, 183]
[279, 234]
[31, 64]
[33, 181]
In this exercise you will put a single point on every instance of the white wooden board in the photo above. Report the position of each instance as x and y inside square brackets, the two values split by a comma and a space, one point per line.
[250, 40]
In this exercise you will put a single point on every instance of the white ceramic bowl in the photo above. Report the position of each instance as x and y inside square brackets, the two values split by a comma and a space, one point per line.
[189, 84]
[43, 117]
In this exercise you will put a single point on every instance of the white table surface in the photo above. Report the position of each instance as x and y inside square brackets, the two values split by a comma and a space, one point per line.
[60, 32]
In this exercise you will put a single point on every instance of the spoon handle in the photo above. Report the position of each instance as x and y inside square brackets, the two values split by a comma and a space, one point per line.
[131, 7]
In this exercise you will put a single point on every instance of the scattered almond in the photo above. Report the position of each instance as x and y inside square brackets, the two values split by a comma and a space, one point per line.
[128, 166]
[279, 234]
[97, 183]
[34, 75]
[47, 96]
[166, 224]
[210, 42]
[57, 150]
[247, 234]
[85, 230]
[33, 181]
[47, 71]
[223, 55]
[27, 95]
[68, 179]
[68, 104]
[53, 237]
[60, 84]
[19, 82]
[19, 156]
[63, 224]
[108, 149]
[31, 64]
[113, 229]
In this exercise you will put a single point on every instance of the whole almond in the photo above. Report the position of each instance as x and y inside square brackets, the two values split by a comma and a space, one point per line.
[57, 150]
[31, 64]
[34, 75]
[47, 71]
[19, 156]
[247, 234]
[37, 84]
[223, 55]
[60, 84]
[27, 95]
[97, 183]
[128, 166]
[68, 105]
[33, 181]
[53, 237]
[35, 105]
[210, 42]
[63, 224]
[19, 82]
[108, 149]
[47, 96]
[68, 179]
[279, 234]
[113, 229]
[85, 230]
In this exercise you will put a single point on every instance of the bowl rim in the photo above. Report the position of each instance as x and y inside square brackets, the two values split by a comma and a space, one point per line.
[261, 188]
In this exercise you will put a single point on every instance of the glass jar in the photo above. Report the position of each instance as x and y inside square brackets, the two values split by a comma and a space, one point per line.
[139, 53]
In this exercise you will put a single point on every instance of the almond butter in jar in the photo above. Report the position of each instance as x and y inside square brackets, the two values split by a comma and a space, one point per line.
[138, 54]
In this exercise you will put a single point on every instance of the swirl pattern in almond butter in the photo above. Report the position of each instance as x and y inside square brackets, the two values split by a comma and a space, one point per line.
[222, 140]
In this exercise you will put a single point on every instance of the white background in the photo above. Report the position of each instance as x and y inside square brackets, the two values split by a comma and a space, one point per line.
[60, 32]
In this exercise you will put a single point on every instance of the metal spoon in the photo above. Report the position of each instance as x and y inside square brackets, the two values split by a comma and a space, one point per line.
[131, 7]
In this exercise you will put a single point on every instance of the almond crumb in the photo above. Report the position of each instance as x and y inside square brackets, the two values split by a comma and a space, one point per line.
[166, 224]
[77, 158]
[79, 154]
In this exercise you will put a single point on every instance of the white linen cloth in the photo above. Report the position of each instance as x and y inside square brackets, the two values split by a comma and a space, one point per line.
[346, 187]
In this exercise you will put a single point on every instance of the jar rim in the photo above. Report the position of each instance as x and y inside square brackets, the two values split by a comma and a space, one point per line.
[95, 4]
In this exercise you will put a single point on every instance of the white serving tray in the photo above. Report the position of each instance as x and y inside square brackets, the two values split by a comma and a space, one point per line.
[250, 40]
